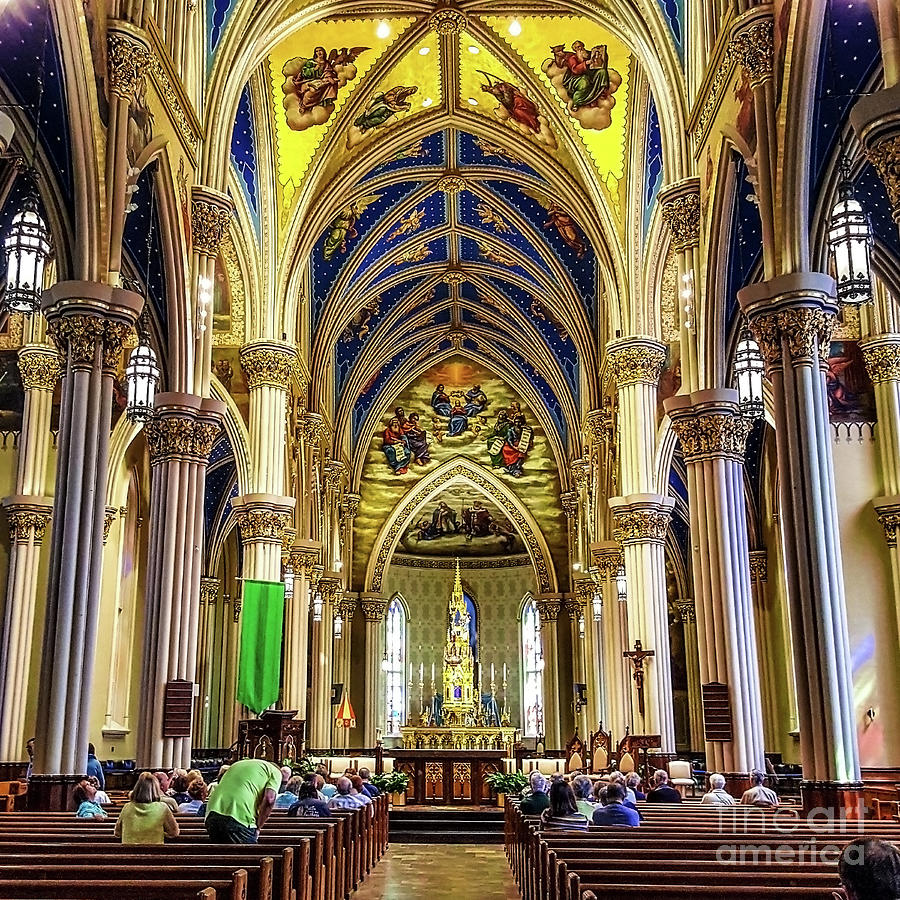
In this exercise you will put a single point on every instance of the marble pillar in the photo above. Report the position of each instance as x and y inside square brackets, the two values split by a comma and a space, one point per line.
[179, 437]
[209, 596]
[548, 611]
[592, 658]
[374, 608]
[320, 714]
[302, 558]
[28, 512]
[579, 638]
[342, 657]
[713, 434]
[88, 323]
[688, 615]
[792, 317]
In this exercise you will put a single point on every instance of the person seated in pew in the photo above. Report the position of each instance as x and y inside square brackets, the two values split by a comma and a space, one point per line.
[214, 784]
[326, 788]
[633, 784]
[717, 795]
[618, 777]
[198, 793]
[101, 797]
[178, 787]
[85, 798]
[537, 799]
[145, 819]
[309, 804]
[368, 787]
[163, 781]
[583, 788]
[286, 775]
[662, 791]
[288, 797]
[869, 869]
[615, 812]
[758, 794]
[242, 802]
[94, 767]
[323, 789]
[358, 788]
[562, 813]
[346, 797]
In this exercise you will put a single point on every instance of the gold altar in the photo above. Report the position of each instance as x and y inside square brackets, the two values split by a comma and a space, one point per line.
[459, 737]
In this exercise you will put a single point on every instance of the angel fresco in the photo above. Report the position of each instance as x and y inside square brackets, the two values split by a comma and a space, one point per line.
[560, 220]
[311, 85]
[519, 110]
[585, 82]
[343, 226]
[383, 106]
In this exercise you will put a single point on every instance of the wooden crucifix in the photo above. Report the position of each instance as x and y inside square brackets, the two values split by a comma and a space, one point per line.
[637, 657]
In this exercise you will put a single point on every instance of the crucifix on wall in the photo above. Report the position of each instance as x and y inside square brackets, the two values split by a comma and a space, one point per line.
[636, 657]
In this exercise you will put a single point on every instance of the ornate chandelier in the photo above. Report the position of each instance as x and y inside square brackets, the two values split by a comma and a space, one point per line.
[850, 239]
[27, 247]
[141, 379]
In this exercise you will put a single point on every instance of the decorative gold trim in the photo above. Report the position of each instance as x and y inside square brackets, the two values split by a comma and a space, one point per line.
[638, 525]
[548, 609]
[806, 332]
[682, 214]
[27, 524]
[754, 48]
[636, 361]
[170, 436]
[40, 367]
[759, 565]
[710, 435]
[235, 276]
[882, 358]
[210, 219]
[108, 518]
[448, 22]
[262, 524]
[78, 336]
[499, 562]
[687, 610]
[607, 561]
[127, 61]
[266, 363]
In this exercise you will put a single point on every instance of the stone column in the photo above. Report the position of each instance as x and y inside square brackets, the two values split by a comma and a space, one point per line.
[374, 608]
[88, 323]
[28, 512]
[303, 559]
[575, 610]
[713, 433]
[592, 655]
[209, 595]
[641, 521]
[688, 615]
[548, 611]
[320, 718]
[617, 688]
[263, 519]
[792, 317]
[179, 437]
[344, 608]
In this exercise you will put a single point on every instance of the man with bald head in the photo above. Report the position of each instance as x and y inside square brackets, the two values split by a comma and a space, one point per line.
[346, 797]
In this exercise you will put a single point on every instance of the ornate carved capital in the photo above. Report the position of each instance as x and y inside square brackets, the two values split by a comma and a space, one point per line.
[721, 434]
[335, 472]
[884, 154]
[607, 561]
[27, 524]
[79, 338]
[210, 218]
[759, 565]
[268, 364]
[330, 589]
[581, 473]
[127, 61]
[374, 610]
[637, 524]
[569, 502]
[686, 610]
[882, 358]
[636, 360]
[574, 607]
[548, 609]
[345, 607]
[313, 429]
[452, 184]
[448, 21]
[753, 46]
[303, 561]
[171, 436]
[597, 425]
[108, 518]
[209, 591]
[350, 506]
[888, 511]
[263, 524]
[798, 334]
[682, 214]
[40, 367]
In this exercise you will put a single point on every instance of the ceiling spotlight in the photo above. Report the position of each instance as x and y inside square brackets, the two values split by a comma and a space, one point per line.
[474, 49]
[515, 28]
[383, 30]
[424, 51]
[473, 101]
[427, 101]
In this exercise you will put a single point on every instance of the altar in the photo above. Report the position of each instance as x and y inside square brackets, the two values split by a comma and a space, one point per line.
[449, 777]
[450, 737]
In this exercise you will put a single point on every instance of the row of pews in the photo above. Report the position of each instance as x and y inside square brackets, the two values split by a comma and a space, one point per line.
[45, 855]
[684, 851]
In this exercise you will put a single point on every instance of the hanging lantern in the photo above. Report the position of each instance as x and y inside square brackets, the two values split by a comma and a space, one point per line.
[345, 717]
[850, 239]
[621, 584]
[27, 247]
[338, 627]
[597, 605]
[142, 380]
[748, 376]
[317, 606]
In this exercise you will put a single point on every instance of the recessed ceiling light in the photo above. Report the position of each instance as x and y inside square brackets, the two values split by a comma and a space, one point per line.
[383, 30]
[515, 28]
[424, 51]
[474, 49]
[473, 101]
[427, 101]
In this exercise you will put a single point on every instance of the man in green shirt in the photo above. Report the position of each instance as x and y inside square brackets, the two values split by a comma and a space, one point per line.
[242, 802]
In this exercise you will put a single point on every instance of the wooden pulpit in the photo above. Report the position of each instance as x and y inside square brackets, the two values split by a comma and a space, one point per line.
[275, 735]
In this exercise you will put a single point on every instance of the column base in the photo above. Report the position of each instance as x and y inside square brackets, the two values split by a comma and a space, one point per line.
[841, 799]
[51, 793]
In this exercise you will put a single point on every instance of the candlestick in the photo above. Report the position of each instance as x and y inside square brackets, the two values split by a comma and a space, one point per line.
[492, 673]
[421, 673]
[504, 676]
[432, 673]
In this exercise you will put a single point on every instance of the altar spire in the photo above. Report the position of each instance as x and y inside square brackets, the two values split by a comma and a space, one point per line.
[459, 664]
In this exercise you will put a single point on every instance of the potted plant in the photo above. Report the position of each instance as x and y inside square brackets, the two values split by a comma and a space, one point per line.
[393, 783]
[503, 783]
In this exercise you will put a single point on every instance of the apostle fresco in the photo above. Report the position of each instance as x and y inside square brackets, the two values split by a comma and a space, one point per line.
[519, 110]
[509, 441]
[585, 81]
[395, 447]
[311, 85]
[458, 407]
[383, 106]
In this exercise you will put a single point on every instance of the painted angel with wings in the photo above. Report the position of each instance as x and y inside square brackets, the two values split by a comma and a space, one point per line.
[561, 221]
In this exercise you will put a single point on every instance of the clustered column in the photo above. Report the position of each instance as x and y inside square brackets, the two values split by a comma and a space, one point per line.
[28, 512]
[302, 561]
[320, 723]
[575, 607]
[713, 434]
[688, 614]
[88, 323]
[548, 611]
[179, 437]
[792, 318]
[374, 609]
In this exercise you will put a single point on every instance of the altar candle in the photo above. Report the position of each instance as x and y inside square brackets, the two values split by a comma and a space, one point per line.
[504, 672]
[421, 673]
[410, 673]
[432, 673]
[492, 673]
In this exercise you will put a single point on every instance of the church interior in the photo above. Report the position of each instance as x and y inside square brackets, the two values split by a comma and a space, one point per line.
[470, 386]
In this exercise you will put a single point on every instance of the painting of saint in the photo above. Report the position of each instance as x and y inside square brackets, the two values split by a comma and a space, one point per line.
[311, 85]
[585, 82]
[458, 407]
[509, 441]
[519, 110]
[396, 447]
[560, 220]
[417, 440]
[383, 106]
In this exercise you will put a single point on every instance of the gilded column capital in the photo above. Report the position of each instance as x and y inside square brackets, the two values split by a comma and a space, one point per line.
[314, 428]
[681, 212]
[597, 425]
[581, 473]
[607, 560]
[884, 154]
[350, 506]
[269, 363]
[569, 502]
[303, 559]
[329, 587]
[636, 360]
[753, 45]
[81, 337]
[686, 610]
[263, 517]
[335, 473]
[759, 565]
[345, 607]
[40, 367]
[574, 607]
[211, 214]
[127, 58]
[27, 523]
[882, 357]
[108, 518]
[374, 610]
[888, 511]
[876, 120]
[640, 519]
[709, 425]
[209, 591]
[548, 609]
[447, 22]
[179, 434]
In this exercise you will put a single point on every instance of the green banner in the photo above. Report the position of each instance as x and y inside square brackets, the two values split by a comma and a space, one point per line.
[262, 621]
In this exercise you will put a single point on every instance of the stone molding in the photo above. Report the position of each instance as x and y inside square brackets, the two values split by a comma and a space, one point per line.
[448, 22]
[269, 363]
[686, 609]
[40, 367]
[680, 205]
[753, 44]
[636, 360]
[882, 357]
[211, 214]
[759, 565]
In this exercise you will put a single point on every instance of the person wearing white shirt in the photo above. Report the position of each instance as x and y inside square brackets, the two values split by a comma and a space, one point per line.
[717, 795]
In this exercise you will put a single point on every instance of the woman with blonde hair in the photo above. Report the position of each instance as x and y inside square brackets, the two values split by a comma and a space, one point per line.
[145, 819]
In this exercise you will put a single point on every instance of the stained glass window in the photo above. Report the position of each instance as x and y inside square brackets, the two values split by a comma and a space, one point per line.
[532, 671]
[394, 664]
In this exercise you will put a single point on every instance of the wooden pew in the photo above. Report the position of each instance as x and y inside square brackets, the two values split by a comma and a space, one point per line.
[180, 889]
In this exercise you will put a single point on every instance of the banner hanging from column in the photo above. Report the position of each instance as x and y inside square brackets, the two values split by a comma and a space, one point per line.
[259, 665]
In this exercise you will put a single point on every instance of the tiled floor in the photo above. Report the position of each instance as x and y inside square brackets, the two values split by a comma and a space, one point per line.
[440, 872]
